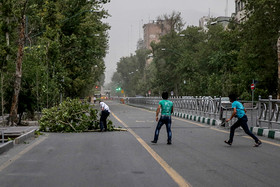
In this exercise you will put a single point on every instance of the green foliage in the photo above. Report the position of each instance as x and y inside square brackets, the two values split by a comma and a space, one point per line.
[64, 50]
[37, 133]
[70, 116]
[130, 74]
[258, 53]
[217, 62]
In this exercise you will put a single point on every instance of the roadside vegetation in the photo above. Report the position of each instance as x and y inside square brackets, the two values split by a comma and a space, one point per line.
[50, 50]
[191, 61]
[71, 115]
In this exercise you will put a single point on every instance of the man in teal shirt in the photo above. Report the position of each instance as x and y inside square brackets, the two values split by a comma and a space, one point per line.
[240, 112]
[166, 108]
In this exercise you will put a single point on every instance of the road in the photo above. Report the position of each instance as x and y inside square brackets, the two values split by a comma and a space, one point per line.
[197, 157]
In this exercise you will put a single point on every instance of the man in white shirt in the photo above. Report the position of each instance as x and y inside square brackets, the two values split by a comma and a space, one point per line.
[105, 112]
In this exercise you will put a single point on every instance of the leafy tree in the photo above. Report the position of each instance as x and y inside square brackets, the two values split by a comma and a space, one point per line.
[258, 54]
[174, 22]
[130, 74]
[50, 61]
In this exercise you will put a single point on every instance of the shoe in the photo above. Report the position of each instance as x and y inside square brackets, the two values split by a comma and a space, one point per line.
[154, 141]
[257, 144]
[227, 142]
[169, 142]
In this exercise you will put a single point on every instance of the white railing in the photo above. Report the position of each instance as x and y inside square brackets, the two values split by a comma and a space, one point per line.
[264, 113]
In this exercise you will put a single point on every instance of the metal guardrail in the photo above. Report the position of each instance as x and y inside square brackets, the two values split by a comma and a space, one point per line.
[251, 108]
[200, 106]
[268, 113]
[2, 135]
[264, 113]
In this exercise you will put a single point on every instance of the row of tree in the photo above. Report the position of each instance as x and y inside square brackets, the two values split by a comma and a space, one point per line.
[217, 62]
[49, 50]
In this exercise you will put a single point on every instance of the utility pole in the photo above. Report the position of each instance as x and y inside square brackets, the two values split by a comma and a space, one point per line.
[278, 52]
[2, 73]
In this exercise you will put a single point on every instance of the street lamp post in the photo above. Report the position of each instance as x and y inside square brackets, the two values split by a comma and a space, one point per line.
[180, 55]
[176, 76]
[278, 52]
[185, 87]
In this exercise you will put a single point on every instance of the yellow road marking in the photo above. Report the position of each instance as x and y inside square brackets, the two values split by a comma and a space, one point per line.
[10, 161]
[171, 172]
[219, 130]
[264, 141]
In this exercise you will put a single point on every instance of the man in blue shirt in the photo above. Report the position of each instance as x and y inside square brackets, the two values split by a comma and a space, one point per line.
[166, 108]
[240, 112]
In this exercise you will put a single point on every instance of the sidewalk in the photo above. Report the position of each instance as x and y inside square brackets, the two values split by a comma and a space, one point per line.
[21, 133]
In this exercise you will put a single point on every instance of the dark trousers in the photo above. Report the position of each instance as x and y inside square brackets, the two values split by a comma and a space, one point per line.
[103, 118]
[243, 123]
[167, 121]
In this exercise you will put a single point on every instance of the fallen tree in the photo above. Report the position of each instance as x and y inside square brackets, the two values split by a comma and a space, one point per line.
[71, 116]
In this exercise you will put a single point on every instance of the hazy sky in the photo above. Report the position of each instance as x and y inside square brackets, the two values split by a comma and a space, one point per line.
[128, 17]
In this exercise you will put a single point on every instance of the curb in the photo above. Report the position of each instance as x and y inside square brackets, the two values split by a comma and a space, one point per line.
[208, 121]
[24, 137]
[269, 133]
[8, 145]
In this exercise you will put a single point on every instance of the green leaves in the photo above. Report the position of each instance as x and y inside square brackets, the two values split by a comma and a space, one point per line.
[64, 50]
[130, 74]
[70, 116]
[260, 34]
[220, 61]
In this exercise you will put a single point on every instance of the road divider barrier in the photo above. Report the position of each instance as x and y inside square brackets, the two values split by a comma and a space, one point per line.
[269, 133]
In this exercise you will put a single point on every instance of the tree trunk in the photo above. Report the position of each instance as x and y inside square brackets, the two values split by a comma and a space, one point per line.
[278, 51]
[17, 85]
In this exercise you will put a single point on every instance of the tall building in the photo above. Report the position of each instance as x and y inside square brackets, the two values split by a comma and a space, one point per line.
[203, 22]
[140, 44]
[240, 14]
[223, 20]
[153, 31]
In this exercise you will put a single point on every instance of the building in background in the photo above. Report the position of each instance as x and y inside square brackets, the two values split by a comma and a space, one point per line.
[240, 14]
[153, 31]
[203, 23]
[140, 44]
[223, 20]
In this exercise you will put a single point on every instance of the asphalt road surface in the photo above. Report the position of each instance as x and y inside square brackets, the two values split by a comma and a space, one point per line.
[197, 157]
